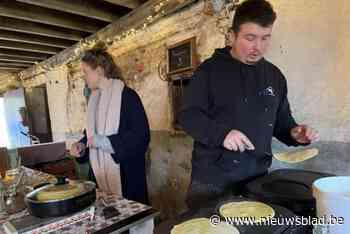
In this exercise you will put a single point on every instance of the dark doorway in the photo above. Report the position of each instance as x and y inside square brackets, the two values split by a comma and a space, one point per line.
[38, 113]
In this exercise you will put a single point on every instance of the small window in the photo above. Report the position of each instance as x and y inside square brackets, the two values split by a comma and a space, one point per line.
[177, 85]
[181, 62]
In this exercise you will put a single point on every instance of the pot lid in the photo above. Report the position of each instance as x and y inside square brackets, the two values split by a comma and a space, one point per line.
[62, 190]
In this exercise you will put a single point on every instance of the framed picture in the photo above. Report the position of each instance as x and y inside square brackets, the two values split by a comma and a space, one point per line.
[181, 56]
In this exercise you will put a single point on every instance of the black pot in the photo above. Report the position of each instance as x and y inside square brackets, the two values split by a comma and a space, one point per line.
[64, 206]
[290, 188]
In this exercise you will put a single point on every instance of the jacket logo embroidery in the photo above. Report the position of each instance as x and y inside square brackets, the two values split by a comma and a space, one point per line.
[269, 91]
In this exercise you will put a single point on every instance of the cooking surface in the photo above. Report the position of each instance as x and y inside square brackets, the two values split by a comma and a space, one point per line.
[285, 184]
[211, 208]
[130, 212]
[289, 188]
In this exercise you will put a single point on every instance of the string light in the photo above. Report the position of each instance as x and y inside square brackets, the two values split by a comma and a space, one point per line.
[84, 44]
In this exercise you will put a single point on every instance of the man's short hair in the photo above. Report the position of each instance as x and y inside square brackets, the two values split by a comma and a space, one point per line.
[254, 11]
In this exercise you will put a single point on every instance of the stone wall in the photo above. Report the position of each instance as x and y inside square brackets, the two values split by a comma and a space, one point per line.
[310, 45]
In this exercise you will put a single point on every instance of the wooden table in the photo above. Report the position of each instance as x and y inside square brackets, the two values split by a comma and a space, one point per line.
[131, 213]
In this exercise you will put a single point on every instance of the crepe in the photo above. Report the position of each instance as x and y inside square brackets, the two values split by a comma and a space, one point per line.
[256, 211]
[11, 177]
[59, 192]
[203, 226]
[297, 156]
[8, 179]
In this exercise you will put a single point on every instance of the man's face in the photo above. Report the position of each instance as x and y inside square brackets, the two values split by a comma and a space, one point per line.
[251, 42]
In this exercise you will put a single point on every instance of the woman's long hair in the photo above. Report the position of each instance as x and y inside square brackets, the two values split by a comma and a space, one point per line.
[98, 56]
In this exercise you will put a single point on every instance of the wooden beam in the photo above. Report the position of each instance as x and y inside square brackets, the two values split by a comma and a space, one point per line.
[34, 39]
[28, 47]
[135, 19]
[39, 29]
[13, 69]
[24, 54]
[127, 3]
[7, 58]
[36, 14]
[11, 64]
[79, 7]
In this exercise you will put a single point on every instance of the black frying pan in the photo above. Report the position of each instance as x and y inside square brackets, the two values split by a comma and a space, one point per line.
[64, 206]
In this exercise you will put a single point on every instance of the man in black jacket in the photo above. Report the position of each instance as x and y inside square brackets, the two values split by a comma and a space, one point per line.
[234, 105]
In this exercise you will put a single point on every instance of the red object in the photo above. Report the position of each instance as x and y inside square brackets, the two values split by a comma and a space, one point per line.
[140, 67]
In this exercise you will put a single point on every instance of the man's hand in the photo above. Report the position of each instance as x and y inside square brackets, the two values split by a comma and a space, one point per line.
[304, 134]
[76, 149]
[236, 140]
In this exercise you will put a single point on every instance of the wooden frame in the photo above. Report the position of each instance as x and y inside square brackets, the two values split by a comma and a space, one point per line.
[181, 57]
[4, 161]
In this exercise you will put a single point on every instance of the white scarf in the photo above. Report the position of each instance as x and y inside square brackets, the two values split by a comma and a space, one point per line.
[103, 119]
